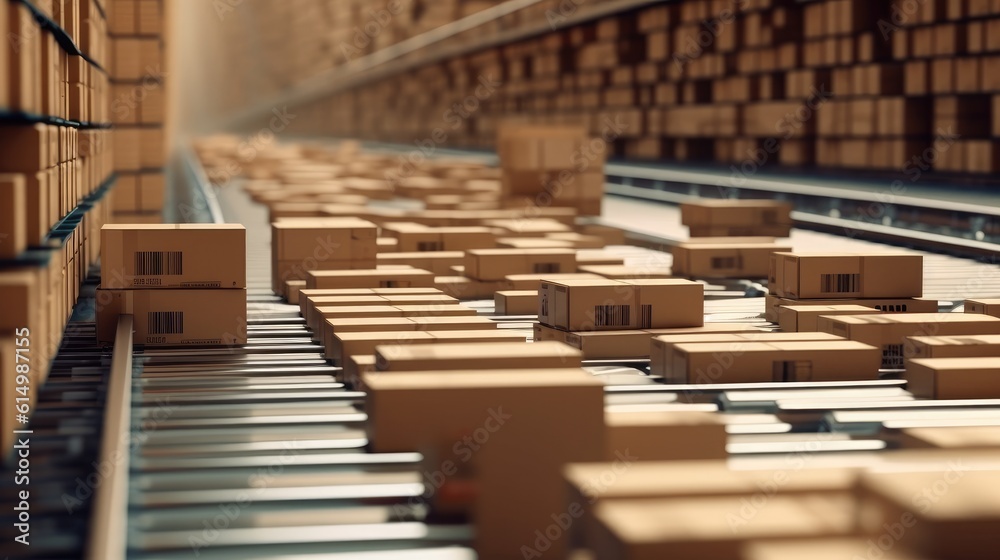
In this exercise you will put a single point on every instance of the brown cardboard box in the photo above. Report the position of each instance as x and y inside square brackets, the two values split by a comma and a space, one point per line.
[516, 302]
[959, 522]
[438, 262]
[446, 239]
[292, 289]
[588, 257]
[802, 318]
[776, 307]
[703, 528]
[307, 294]
[467, 288]
[752, 362]
[706, 260]
[954, 378]
[623, 272]
[823, 549]
[369, 278]
[324, 239]
[175, 317]
[534, 148]
[501, 355]
[665, 436]
[433, 323]
[534, 281]
[314, 317]
[891, 332]
[173, 256]
[517, 473]
[973, 346]
[579, 305]
[342, 345]
[661, 358]
[983, 306]
[497, 264]
[826, 275]
[635, 344]
[532, 243]
[13, 216]
[737, 215]
[24, 148]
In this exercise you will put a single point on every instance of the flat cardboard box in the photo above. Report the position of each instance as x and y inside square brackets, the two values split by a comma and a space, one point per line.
[497, 264]
[960, 524]
[534, 281]
[983, 306]
[703, 528]
[446, 239]
[846, 275]
[324, 239]
[972, 346]
[722, 232]
[517, 473]
[706, 260]
[625, 272]
[803, 318]
[377, 278]
[438, 262]
[516, 302]
[500, 355]
[891, 332]
[588, 258]
[953, 378]
[952, 438]
[774, 306]
[167, 317]
[533, 243]
[605, 304]
[292, 289]
[342, 345]
[766, 362]
[314, 318]
[173, 256]
[661, 358]
[306, 294]
[665, 436]
[13, 216]
[468, 288]
[635, 344]
[731, 212]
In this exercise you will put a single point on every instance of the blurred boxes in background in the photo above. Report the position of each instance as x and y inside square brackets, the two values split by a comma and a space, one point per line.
[736, 218]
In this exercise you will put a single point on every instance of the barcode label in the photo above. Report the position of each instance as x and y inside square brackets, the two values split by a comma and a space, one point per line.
[159, 263]
[645, 316]
[612, 315]
[428, 246]
[839, 283]
[725, 262]
[546, 268]
[893, 356]
[892, 308]
[545, 305]
[165, 322]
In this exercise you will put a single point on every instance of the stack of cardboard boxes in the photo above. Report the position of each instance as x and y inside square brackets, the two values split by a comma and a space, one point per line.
[551, 166]
[301, 245]
[184, 283]
[138, 107]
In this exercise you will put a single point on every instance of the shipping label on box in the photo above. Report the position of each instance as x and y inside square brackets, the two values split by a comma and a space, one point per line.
[169, 317]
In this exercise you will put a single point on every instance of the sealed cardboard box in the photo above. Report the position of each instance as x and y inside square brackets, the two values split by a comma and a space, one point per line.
[314, 317]
[707, 260]
[954, 378]
[891, 332]
[845, 275]
[516, 302]
[665, 436]
[584, 305]
[635, 344]
[501, 355]
[588, 257]
[540, 332]
[534, 281]
[468, 288]
[173, 256]
[753, 362]
[306, 295]
[803, 318]
[983, 306]
[661, 357]
[735, 213]
[342, 345]
[324, 239]
[623, 272]
[179, 317]
[775, 307]
[438, 262]
[497, 264]
[292, 289]
[970, 346]
[370, 278]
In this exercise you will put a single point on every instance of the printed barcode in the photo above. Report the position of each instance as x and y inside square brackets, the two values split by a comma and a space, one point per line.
[893, 356]
[840, 283]
[165, 322]
[725, 262]
[546, 268]
[428, 246]
[646, 317]
[159, 263]
[545, 305]
[612, 315]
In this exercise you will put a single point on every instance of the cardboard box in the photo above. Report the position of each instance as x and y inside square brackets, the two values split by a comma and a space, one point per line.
[665, 436]
[468, 288]
[623, 272]
[173, 256]
[983, 306]
[501, 355]
[516, 302]
[635, 344]
[765, 362]
[732, 212]
[497, 264]
[803, 318]
[424, 238]
[534, 281]
[828, 275]
[588, 257]
[517, 473]
[13, 216]
[706, 260]
[972, 346]
[369, 278]
[341, 345]
[584, 305]
[438, 262]
[324, 239]
[540, 332]
[536, 148]
[292, 289]
[891, 332]
[167, 317]
[307, 294]
[314, 317]
[953, 378]
[661, 358]
[775, 307]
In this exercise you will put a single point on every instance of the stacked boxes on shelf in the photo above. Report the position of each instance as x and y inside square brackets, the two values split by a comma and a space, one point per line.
[184, 283]
[138, 107]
